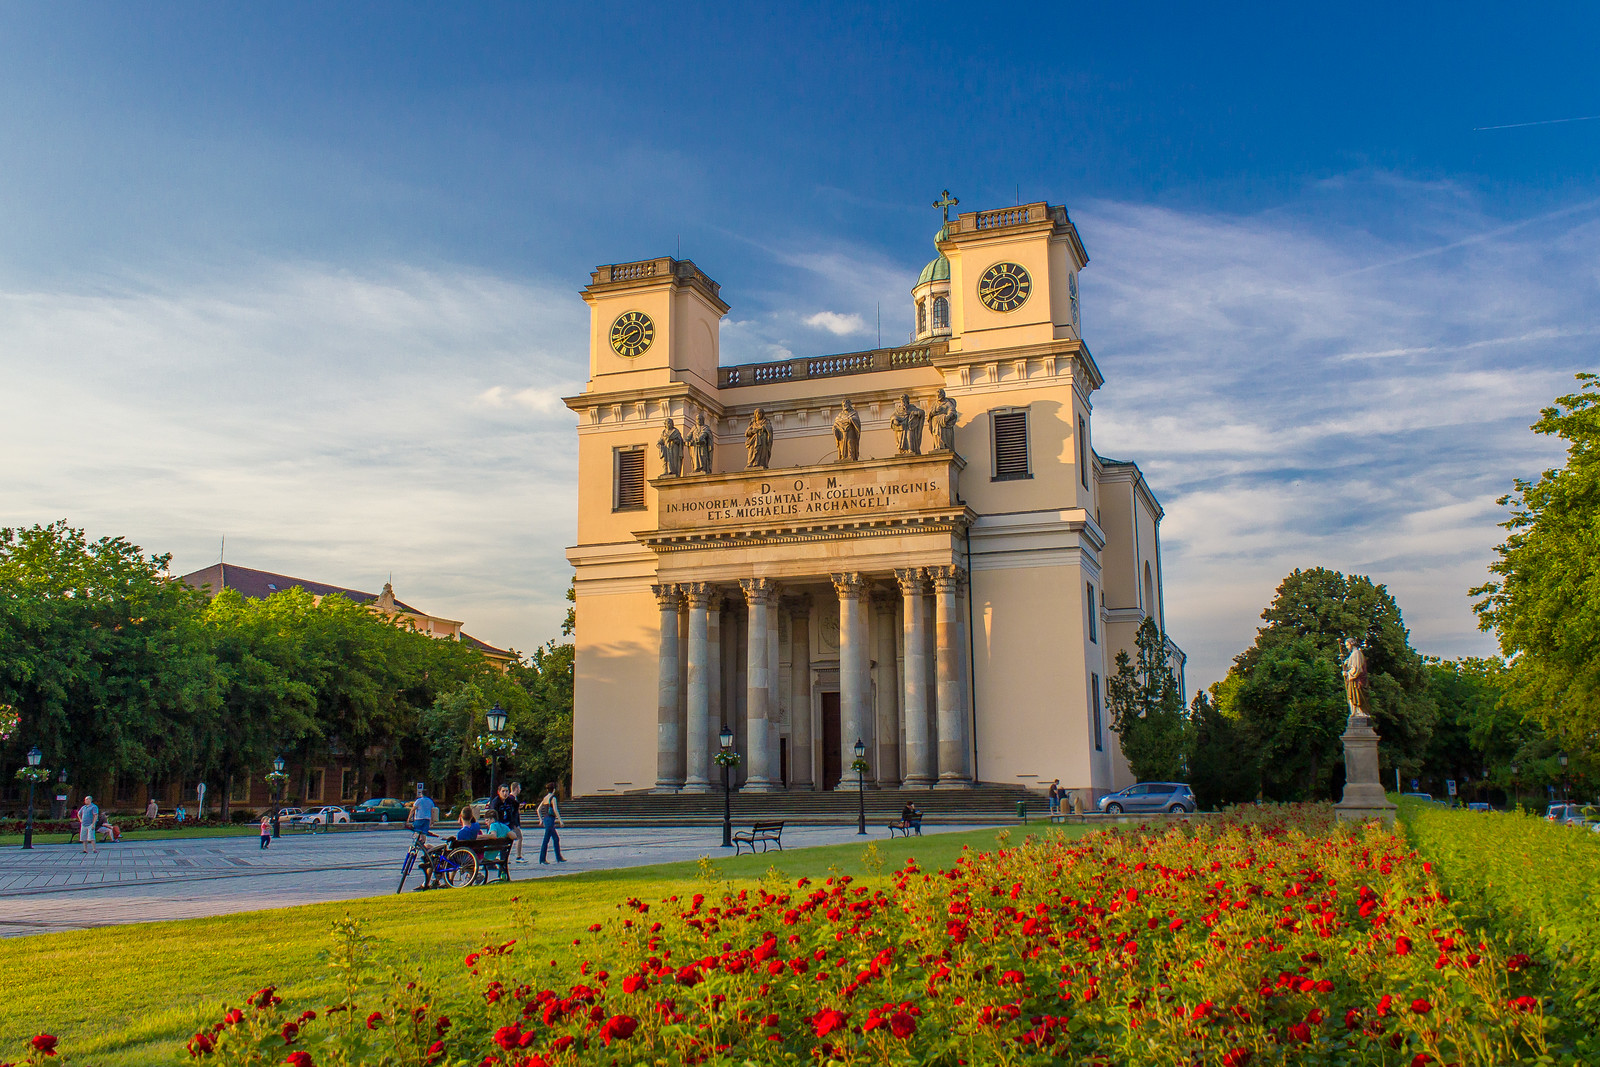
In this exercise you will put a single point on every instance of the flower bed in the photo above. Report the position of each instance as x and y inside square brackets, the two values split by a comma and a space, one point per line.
[1265, 937]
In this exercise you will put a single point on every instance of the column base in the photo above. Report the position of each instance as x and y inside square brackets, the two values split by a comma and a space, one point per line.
[886, 783]
[916, 782]
[954, 783]
[761, 785]
[692, 786]
[667, 787]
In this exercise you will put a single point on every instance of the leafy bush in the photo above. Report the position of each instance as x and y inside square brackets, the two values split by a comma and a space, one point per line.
[1530, 878]
[1268, 936]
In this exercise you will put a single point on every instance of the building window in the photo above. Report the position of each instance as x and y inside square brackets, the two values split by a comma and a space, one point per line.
[941, 313]
[629, 479]
[1149, 592]
[1083, 452]
[922, 316]
[1094, 684]
[347, 784]
[314, 784]
[1094, 610]
[239, 788]
[1010, 445]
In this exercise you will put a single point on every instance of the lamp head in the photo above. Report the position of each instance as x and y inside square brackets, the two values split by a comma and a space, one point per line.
[861, 748]
[34, 756]
[497, 719]
[1563, 759]
[277, 764]
[726, 737]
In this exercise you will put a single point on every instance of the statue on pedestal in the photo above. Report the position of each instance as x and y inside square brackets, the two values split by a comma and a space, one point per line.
[1363, 792]
[1355, 677]
[907, 426]
[758, 441]
[700, 445]
[942, 421]
[847, 432]
[670, 445]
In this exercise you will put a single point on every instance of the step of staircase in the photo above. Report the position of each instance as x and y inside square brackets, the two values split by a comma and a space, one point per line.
[982, 804]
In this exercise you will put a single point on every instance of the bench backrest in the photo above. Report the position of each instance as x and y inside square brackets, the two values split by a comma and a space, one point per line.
[765, 827]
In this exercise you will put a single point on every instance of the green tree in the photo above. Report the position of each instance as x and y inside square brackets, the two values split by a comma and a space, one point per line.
[547, 677]
[1147, 709]
[104, 657]
[1222, 763]
[1544, 602]
[1311, 614]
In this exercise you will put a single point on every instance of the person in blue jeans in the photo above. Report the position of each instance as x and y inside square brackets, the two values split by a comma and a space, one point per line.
[549, 813]
[422, 812]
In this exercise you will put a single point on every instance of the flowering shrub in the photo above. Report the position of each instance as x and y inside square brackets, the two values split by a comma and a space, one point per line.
[1269, 936]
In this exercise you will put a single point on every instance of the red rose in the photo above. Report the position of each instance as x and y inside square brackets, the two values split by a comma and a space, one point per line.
[1300, 1032]
[827, 1021]
[290, 1031]
[374, 1019]
[618, 1028]
[508, 1036]
[45, 1043]
[435, 1050]
[902, 1025]
[1523, 1004]
[440, 1026]
[1519, 962]
[299, 1058]
[633, 983]
[200, 1044]
[1421, 1007]
[1402, 946]
[1236, 1057]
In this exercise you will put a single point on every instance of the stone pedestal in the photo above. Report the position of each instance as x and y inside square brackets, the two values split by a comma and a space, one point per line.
[1363, 792]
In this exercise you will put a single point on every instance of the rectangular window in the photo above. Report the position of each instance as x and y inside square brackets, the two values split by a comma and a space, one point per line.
[1094, 682]
[1094, 612]
[347, 784]
[629, 479]
[1010, 445]
[314, 784]
[1083, 452]
[239, 788]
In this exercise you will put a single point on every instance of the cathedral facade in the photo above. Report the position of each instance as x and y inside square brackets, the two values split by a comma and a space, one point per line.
[914, 548]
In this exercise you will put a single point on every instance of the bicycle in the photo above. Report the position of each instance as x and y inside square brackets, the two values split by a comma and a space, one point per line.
[441, 864]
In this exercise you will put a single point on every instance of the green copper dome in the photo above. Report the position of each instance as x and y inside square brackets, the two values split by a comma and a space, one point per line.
[937, 270]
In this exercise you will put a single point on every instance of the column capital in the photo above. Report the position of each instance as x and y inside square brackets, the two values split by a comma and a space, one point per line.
[758, 590]
[798, 607]
[947, 579]
[849, 585]
[699, 594]
[913, 580]
[667, 596]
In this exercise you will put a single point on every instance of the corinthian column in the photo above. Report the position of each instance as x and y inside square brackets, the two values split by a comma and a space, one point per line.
[758, 594]
[919, 738]
[716, 715]
[955, 752]
[855, 679]
[697, 729]
[886, 765]
[669, 731]
[800, 692]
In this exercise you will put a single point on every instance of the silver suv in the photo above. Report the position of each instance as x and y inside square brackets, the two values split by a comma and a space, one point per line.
[1173, 797]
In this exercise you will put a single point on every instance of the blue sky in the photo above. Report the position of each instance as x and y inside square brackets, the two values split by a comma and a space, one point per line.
[304, 275]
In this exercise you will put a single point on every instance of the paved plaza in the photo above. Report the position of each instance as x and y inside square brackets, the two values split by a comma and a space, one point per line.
[57, 887]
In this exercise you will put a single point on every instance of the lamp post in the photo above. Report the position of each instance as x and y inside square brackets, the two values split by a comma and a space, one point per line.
[497, 726]
[1516, 787]
[727, 758]
[860, 766]
[277, 793]
[34, 756]
[1563, 777]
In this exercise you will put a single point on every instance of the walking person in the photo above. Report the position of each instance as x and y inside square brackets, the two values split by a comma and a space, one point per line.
[549, 812]
[516, 818]
[87, 815]
[1055, 798]
[266, 830]
[151, 810]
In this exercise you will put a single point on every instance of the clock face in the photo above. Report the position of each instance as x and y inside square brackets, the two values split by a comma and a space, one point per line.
[1005, 287]
[632, 333]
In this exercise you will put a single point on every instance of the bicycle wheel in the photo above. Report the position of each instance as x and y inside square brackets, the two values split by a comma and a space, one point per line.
[405, 870]
[460, 867]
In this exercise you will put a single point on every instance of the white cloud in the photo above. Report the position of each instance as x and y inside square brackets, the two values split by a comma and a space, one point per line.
[837, 324]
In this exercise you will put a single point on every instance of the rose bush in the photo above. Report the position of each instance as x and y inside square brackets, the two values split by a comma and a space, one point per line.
[1268, 936]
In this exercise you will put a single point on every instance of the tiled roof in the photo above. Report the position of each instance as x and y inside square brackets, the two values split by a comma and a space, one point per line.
[258, 585]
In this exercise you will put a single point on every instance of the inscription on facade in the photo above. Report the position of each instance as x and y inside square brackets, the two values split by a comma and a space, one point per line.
[803, 496]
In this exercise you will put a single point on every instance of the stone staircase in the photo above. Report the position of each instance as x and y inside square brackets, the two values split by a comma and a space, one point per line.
[983, 804]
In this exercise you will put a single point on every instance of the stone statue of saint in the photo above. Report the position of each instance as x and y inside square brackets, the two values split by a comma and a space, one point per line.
[700, 443]
[906, 422]
[670, 445]
[847, 432]
[758, 441]
[1355, 677]
[942, 421]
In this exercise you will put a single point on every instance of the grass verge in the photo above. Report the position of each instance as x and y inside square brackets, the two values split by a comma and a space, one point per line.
[132, 994]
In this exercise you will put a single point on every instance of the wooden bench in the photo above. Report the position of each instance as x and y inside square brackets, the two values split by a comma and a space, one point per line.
[765, 834]
[914, 826]
[481, 847]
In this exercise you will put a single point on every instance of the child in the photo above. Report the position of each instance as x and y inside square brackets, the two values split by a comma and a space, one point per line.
[266, 830]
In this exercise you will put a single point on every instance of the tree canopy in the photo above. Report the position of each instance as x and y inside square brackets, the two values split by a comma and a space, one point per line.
[1147, 708]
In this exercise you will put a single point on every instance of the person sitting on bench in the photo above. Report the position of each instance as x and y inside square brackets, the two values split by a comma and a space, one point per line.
[909, 816]
[469, 825]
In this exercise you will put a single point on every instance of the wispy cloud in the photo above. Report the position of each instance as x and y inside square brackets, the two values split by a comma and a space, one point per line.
[837, 324]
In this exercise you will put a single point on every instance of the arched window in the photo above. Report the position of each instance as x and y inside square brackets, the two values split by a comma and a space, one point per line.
[922, 316]
[941, 313]
[1149, 592]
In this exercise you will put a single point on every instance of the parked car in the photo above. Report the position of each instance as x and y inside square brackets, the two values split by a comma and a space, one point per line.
[320, 817]
[284, 813]
[1477, 805]
[1149, 796]
[1565, 813]
[380, 809]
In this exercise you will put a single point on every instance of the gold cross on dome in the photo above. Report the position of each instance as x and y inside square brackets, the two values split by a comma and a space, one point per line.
[947, 202]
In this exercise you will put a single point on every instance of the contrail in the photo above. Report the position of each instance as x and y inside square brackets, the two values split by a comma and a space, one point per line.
[1541, 122]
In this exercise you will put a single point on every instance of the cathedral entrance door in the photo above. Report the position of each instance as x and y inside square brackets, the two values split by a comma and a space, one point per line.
[832, 762]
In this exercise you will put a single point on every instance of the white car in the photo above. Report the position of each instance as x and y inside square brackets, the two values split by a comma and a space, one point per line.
[316, 818]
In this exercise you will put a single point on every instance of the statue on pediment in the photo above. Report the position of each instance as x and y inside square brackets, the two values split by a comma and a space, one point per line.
[942, 421]
[847, 432]
[670, 445]
[758, 441]
[906, 422]
[700, 445]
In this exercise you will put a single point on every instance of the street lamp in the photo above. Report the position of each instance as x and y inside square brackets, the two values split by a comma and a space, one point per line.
[1516, 786]
[1563, 777]
[34, 756]
[727, 758]
[861, 787]
[497, 726]
[278, 779]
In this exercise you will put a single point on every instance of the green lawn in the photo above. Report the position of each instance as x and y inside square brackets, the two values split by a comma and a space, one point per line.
[133, 994]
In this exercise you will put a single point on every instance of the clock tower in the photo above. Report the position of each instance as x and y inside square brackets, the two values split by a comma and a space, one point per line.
[652, 323]
[1013, 277]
